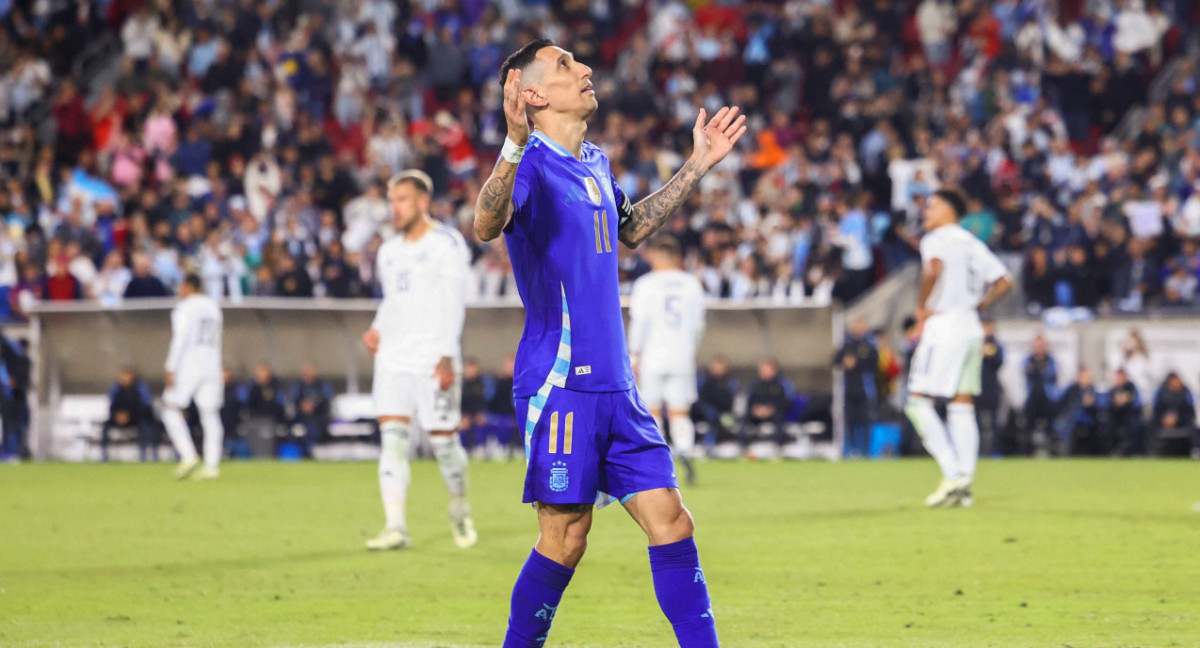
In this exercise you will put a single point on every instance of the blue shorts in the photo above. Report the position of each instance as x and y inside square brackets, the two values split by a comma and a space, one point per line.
[579, 444]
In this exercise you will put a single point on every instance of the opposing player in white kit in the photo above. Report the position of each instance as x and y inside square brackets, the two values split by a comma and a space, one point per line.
[194, 375]
[415, 338]
[960, 276]
[666, 320]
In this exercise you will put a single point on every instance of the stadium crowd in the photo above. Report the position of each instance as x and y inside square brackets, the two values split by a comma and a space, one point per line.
[1135, 412]
[250, 140]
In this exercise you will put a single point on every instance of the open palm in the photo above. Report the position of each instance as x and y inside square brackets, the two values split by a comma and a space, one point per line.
[714, 140]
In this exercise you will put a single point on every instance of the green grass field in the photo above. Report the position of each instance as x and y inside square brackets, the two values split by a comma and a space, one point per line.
[1065, 553]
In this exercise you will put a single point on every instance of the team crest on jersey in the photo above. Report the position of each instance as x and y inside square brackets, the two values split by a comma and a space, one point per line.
[559, 481]
[593, 189]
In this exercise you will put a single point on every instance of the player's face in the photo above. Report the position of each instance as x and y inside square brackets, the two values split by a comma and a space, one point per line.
[938, 213]
[565, 85]
[408, 205]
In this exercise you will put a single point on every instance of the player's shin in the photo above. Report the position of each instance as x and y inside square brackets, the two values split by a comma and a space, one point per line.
[535, 599]
[964, 431]
[214, 438]
[682, 593]
[177, 430]
[452, 461]
[394, 474]
[932, 431]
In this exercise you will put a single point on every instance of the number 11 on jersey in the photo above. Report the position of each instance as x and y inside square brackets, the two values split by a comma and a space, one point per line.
[601, 221]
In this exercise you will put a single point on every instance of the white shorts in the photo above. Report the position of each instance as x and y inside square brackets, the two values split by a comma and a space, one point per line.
[947, 362]
[207, 391]
[418, 398]
[676, 391]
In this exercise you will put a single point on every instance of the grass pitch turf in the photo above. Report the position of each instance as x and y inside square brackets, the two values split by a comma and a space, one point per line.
[1063, 553]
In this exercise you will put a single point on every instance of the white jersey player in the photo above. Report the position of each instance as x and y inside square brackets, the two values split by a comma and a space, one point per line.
[960, 276]
[666, 321]
[194, 374]
[416, 341]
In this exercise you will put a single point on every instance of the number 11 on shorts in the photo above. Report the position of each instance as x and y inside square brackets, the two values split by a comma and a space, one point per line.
[568, 432]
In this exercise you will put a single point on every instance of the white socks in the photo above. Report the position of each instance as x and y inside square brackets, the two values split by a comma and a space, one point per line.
[180, 435]
[933, 434]
[214, 438]
[683, 436]
[394, 474]
[452, 460]
[964, 432]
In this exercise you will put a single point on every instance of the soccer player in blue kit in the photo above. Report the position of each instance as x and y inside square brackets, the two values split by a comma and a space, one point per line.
[588, 437]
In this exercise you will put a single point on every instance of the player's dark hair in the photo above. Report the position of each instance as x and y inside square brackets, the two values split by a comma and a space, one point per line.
[192, 279]
[955, 200]
[666, 243]
[521, 58]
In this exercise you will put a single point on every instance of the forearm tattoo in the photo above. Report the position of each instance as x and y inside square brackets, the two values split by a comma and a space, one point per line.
[653, 212]
[492, 207]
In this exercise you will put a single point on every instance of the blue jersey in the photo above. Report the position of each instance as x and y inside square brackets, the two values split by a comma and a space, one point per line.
[562, 240]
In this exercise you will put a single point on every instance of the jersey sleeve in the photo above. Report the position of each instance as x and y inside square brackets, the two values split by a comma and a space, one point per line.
[179, 333]
[452, 274]
[993, 267]
[383, 287]
[522, 183]
[931, 249]
[638, 316]
[698, 304]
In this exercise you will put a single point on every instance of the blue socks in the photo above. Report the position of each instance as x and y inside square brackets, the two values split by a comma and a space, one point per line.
[678, 582]
[683, 593]
[535, 599]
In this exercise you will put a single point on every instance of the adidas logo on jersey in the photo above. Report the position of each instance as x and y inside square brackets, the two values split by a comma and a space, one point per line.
[583, 371]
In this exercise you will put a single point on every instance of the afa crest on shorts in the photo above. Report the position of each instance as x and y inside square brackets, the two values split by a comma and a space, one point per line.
[593, 189]
[559, 480]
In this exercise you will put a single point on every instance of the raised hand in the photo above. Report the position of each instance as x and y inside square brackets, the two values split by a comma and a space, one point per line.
[514, 109]
[711, 142]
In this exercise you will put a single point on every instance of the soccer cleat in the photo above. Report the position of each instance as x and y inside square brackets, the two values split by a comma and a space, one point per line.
[207, 474]
[186, 467]
[965, 498]
[464, 533]
[389, 539]
[945, 495]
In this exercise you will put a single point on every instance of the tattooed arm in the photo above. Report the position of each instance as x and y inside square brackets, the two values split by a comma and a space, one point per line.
[494, 206]
[711, 143]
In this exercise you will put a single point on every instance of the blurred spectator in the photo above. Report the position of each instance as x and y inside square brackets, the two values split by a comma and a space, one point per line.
[475, 396]
[266, 411]
[312, 400]
[1041, 385]
[233, 414]
[715, 400]
[859, 361]
[15, 376]
[501, 413]
[1174, 419]
[143, 283]
[991, 395]
[767, 404]
[1079, 421]
[1125, 426]
[131, 406]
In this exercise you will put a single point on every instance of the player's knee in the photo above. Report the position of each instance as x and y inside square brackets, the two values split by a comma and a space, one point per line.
[679, 525]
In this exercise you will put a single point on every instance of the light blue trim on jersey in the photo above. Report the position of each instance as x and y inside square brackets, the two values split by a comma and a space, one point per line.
[551, 143]
[557, 377]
